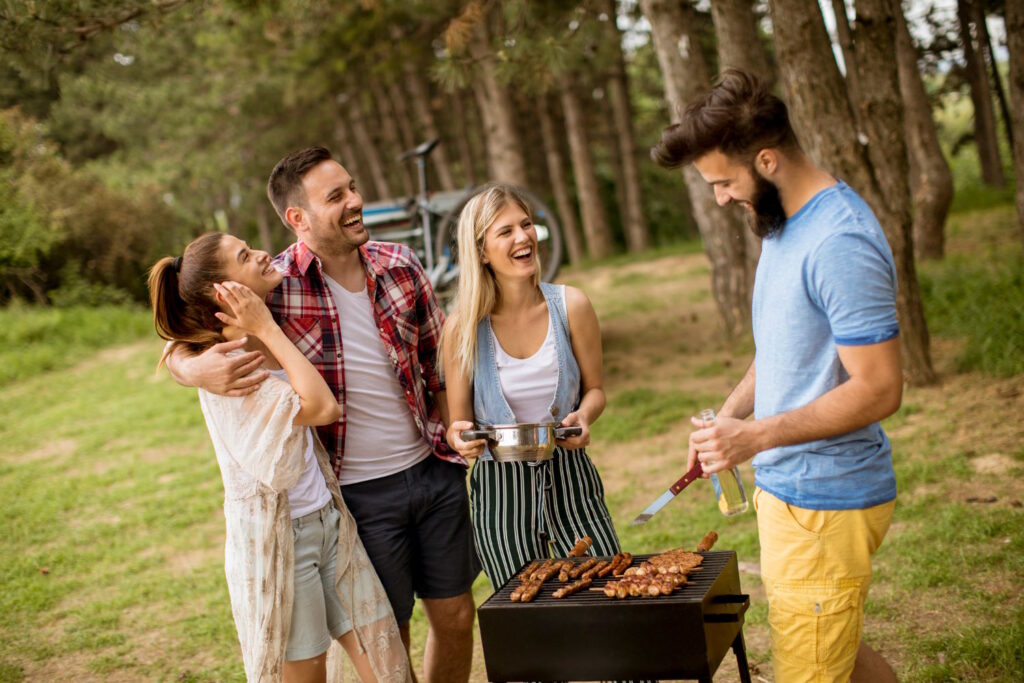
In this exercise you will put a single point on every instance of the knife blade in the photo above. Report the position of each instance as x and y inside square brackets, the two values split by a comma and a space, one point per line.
[661, 501]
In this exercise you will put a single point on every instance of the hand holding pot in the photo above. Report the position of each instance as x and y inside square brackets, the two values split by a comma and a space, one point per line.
[467, 449]
[575, 419]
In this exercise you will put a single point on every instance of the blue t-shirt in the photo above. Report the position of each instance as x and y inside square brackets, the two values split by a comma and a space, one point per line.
[827, 279]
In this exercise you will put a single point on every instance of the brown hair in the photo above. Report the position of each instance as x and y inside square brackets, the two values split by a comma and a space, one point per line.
[182, 295]
[739, 116]
[284, 188]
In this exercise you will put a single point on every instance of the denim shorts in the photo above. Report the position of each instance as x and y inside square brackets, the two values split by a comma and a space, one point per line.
[415, 527]
[317, 614]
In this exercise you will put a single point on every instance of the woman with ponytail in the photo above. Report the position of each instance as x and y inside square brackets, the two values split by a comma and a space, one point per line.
[298, 576]
[517, 350]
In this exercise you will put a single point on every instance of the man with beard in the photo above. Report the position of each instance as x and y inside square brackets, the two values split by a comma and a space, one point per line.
[364, 313]
[826, 369]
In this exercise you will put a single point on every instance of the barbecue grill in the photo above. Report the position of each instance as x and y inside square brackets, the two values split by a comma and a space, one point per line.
[588, 636]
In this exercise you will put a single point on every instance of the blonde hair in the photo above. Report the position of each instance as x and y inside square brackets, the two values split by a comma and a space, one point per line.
[477, 290]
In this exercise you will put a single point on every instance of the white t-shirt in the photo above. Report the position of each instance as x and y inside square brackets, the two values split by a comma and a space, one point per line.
[381, 436]
[529, 384]
[310, 492]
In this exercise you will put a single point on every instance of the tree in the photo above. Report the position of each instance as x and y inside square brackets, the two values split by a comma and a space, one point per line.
[822, 115]
[354, 106]
[559, 183]
[971, 18]
[1015, 42]
[595, 224]
[739, 46]
[931, 181]
[634, 220]
[686, 75]
[504, 148]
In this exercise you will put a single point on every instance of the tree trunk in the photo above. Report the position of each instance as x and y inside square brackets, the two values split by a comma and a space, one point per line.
[638, 236]
[349, 159]
[595, 224]
[1015, 43]
[740, 47]
[559, 183]
[739, 40]
[368, 145]
[263, 228]
[931, 182]
[462, 139]
[606, 138]
[397, 98]
[686, 76]
[981, 96]
[824, 120]
[392, 142]
[504, 149]
[989, 59]
[845, 36]
[420, 96]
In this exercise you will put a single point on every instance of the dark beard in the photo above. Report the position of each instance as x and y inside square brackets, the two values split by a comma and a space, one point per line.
[768, 218]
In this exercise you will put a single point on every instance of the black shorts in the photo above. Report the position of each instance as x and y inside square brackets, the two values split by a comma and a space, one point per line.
[416, 529]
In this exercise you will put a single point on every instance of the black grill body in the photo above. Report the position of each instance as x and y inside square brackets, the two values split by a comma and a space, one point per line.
[588, 636]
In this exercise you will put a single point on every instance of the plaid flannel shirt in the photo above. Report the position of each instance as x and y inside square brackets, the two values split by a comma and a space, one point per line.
[408, 319]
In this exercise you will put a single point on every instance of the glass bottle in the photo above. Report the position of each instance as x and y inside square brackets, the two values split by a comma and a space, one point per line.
[732, 499]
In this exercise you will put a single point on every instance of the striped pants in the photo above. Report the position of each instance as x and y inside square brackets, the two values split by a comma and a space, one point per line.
[505, 500]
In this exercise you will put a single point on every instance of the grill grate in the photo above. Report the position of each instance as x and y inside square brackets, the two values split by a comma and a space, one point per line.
[700, 582]
[589, 636]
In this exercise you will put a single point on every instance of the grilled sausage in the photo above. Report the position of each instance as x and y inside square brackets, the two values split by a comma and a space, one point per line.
[708, 541]
[610, 567]
[528, 572]
[582, 567]
[531, 590]
[573, 587]
[581, 547]
[627, 559]
[543, 567]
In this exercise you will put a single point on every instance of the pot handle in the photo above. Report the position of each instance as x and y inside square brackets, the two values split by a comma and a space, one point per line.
[566, 432]
[474, 434]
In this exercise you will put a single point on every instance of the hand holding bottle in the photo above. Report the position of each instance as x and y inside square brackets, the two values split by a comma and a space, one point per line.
[725, 475]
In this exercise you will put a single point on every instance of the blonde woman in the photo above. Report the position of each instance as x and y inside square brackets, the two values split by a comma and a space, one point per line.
[517, 350]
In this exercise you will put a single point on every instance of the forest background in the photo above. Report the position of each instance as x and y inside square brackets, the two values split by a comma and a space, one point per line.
[127, 127]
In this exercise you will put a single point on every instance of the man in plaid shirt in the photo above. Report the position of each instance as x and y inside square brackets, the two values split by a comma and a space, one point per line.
[365, 315]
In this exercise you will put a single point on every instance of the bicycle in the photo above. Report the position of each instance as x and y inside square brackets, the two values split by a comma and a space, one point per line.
[427, 223]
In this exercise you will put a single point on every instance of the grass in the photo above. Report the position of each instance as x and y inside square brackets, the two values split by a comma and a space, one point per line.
[641, 413]
[979, 295]
[111, 560]
[34, 340]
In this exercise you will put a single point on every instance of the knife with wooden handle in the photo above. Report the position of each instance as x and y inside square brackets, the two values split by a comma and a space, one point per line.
[661, 501]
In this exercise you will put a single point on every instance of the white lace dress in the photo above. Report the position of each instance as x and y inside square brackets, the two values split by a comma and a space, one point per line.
[261, 455]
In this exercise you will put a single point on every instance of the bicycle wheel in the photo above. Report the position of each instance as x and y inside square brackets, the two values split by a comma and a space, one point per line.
[549, 236]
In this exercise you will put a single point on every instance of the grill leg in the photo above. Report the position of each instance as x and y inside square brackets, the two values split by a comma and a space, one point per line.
[740, 649]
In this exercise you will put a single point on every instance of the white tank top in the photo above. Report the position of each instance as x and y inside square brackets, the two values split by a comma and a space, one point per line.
[381, 436]
[529, 384]
[310, 492]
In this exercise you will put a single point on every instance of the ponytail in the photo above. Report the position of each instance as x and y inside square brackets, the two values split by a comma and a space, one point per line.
[182, 295]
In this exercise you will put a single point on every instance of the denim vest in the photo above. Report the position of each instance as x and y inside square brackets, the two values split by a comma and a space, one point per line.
[489, 404]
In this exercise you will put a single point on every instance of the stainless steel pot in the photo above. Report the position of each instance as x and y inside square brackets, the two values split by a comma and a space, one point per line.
[521, 442]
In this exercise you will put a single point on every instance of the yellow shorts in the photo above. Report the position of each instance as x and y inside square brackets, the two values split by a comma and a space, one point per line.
[816, 569]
